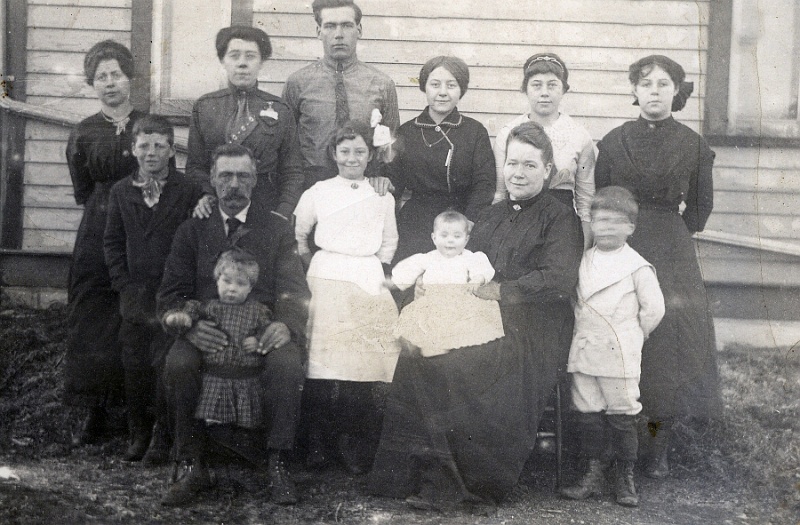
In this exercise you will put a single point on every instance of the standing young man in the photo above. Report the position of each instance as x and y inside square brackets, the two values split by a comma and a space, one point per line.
[337, 88]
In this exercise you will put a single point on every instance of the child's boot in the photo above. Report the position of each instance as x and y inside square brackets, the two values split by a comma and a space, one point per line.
[625, 439]
[138, 397]
[624, 487]
[592, 431]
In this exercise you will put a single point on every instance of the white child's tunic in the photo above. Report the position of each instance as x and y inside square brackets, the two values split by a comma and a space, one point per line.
[619, 304]
[448, 316]
[352, 314]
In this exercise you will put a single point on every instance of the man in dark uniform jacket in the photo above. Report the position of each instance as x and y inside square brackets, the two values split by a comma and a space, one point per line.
[243, 114]
[189, 274]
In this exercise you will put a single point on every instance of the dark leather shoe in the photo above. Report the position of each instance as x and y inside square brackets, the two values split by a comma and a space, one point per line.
[281, 487]
[158, 451]
[137, 447]
[91, 428]
[188, 480]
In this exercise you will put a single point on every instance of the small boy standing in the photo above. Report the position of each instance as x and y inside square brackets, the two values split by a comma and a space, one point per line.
[619, 303]
[144, 212]
[232, 390]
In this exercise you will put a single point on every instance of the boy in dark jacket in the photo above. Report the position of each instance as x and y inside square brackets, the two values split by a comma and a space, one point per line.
[144, 211]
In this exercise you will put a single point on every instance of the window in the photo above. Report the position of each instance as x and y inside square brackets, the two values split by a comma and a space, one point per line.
[758, 94]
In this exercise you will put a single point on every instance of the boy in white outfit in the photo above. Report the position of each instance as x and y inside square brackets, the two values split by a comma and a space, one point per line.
[619, 303]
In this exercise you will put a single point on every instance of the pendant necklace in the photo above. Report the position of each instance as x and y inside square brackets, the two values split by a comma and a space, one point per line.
[120, 124]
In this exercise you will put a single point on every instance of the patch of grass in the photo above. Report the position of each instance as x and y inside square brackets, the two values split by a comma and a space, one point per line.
[756, 440]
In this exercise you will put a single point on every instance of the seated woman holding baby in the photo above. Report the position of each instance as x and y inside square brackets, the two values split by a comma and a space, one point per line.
[460, 424]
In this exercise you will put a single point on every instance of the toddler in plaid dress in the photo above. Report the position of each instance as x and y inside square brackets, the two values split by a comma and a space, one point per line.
[231, 391]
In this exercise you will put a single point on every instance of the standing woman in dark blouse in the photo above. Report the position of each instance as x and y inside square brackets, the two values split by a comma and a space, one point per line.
[667, 166]
[98, 155]
[444, 158]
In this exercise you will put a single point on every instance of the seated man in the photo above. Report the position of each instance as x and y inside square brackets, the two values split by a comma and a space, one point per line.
[281, 286]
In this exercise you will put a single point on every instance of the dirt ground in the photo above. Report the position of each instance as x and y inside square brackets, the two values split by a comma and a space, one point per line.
[742, 469]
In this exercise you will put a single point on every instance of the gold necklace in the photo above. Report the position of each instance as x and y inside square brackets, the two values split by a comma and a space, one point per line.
[437, 128]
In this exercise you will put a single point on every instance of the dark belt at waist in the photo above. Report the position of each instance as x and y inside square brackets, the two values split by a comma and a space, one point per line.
[672, 208]
[232, 371]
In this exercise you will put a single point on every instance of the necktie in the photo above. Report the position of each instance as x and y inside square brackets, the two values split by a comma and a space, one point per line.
[342, 109]
[240, 120]
[233, 225]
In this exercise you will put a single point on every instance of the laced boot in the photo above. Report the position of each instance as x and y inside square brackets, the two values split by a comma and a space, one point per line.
[281, 487]
[189, 478]
[624, 487]
[591, 484]
[158, 451]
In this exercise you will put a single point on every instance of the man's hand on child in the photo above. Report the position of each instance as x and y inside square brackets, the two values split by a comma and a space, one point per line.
[204, 207]
[489, 291]
[276, 335]
[207, 337]
[381, 185]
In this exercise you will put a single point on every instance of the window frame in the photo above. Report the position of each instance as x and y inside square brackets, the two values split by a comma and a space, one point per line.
[715, 123]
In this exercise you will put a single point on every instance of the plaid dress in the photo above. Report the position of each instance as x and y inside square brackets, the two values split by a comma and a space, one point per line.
[232, 392]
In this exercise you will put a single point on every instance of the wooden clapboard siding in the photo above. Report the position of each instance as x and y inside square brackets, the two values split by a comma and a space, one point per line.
[59, 34]
[756, 189]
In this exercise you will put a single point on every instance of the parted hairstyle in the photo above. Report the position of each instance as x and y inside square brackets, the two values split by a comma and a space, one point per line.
[246, 33]
[616, 199]
[533, 134]
[232, 150]
[241, 261]
[451, 217]
[318, 5]
[350, 130]
[457, 67]
[542, 63]
[154, 124]
[107, 50]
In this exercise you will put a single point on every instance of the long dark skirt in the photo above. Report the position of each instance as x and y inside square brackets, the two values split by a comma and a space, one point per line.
[461, 426]
[93, 373]
[679, 367]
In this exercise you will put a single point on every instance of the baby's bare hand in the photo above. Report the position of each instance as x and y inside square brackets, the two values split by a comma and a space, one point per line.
[250, 344]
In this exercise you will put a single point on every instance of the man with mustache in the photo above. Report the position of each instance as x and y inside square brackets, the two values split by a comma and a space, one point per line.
[281, 286]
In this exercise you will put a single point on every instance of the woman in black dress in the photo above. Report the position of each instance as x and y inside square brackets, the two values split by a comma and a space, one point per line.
[459, 427]
[668, 166]
[444, 158]
[98, 155]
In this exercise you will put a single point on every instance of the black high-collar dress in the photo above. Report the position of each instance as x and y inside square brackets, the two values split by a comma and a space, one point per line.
[666, 164]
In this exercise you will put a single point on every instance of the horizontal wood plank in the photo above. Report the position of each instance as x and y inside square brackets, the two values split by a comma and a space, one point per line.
[566, 33]
[768, 227]
[51, 151]
[510, 55]
[78, 17]
[762, 204]
[763, 180]
[75, 40]
[761, 158]
[601, 11]
[78, 106]
[37, 130]
[83, 3]
[48, 240]
[52, 219]
[48, 197]
[44, 173]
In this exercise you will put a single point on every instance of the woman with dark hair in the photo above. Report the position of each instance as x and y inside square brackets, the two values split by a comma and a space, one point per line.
[668, 167]
[444, 158]
[545, 82]
[459, 426]
[98, 155]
